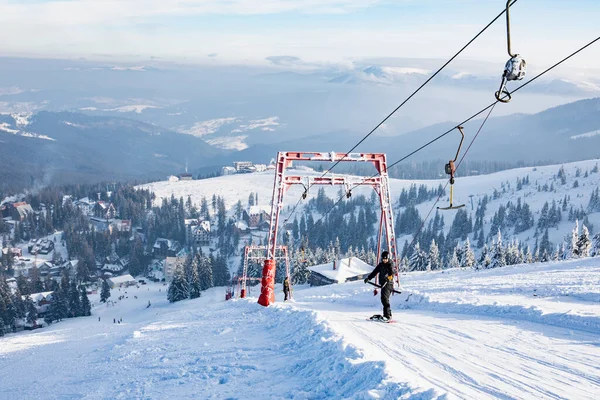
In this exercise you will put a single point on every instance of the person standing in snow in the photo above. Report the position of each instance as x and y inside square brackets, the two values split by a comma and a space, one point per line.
[286, 289]
[385, 270]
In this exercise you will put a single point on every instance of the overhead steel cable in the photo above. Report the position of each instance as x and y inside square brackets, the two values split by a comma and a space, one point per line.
[383, 121]
[491, 106]
[495, 102]
[407, 99]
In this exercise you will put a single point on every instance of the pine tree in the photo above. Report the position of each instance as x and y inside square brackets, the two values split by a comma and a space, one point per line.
[418, 260]
[178, 288]
[86, 307]
[545, 245]
[596, 246]
[498, 253]
[31, 311]
[74, 301]
[195, 278]
[574, 239]
[105, 291]
[468, 259]
[528, 256]
[434, 256]
[454, 262]
[584, 244]
[205, 273]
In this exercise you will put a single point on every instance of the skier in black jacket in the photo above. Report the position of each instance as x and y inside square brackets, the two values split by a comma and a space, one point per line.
[386, 280]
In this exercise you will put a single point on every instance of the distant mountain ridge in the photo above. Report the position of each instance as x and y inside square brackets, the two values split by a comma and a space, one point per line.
[70, 147]
[561, 134]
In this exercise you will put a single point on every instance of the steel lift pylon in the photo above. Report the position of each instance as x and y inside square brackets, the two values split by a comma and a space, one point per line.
[283, 182]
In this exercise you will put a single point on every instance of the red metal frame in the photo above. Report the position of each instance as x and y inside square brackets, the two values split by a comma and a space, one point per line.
[282, 183]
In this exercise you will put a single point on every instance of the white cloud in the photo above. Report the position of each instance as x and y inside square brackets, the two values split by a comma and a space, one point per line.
[85, 12]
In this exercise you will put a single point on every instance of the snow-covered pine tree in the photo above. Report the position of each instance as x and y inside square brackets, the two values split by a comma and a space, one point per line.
[595, 252]
[498, 253]
[556, 254]
[178, 288]
[458, 249]
[205, 273]
[484, 251]
[418, 260]
[454, 262]
[528, 257]
[468, 259]
[105, 291]
[194, 284]
[434, 256]
[574, 239]
[584, 244]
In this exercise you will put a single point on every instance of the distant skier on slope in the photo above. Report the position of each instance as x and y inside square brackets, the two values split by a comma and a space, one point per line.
[385, 270]
[286, 289]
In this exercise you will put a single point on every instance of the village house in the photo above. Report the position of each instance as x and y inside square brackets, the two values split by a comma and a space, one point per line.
[20, 211]
[41, 301]
[228, 170]
[201, 233]
[339, 271]
[121, 281]
[255, 215]
[169, 266]
[165, 248]
[186, 177]
[243, 166]
[85, 205]
[104, 210]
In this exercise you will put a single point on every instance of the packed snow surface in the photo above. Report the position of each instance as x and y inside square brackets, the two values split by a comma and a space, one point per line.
[528, 331]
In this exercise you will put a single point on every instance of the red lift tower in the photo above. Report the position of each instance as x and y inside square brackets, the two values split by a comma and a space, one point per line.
[283, 182]
[258, 253]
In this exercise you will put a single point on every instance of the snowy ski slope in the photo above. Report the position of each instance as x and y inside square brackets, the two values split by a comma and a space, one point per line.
[524, 332]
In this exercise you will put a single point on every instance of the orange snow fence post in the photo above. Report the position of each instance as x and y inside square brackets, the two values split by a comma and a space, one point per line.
[267, 290]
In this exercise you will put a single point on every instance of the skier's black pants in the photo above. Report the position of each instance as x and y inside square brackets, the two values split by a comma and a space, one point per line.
[386, 292]
[285, 293]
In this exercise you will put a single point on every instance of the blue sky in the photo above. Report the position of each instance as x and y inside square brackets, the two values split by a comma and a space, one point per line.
[317, 31]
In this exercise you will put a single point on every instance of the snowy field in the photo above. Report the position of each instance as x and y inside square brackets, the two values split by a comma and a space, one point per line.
[522, 332]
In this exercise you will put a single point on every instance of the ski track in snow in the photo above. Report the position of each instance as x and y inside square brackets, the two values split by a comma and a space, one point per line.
[459, 334]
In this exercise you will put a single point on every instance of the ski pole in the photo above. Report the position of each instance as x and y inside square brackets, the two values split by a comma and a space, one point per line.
[381, 287]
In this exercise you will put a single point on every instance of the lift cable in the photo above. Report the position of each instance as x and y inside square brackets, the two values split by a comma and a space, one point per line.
[490, 108]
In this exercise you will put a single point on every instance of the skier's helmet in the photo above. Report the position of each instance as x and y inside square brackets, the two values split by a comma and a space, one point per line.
[384, 255]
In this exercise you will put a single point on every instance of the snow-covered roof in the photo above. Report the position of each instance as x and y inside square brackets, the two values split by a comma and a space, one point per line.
[122, 279]
[345, 268]
[37, 297]
[258, 209]
[71, 264]
[205, 225]
[112, 267]
[241, 225]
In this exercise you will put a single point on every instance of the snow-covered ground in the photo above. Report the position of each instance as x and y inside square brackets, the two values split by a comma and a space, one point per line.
[528, 331]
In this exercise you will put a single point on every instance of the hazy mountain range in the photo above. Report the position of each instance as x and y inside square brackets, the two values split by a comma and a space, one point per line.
[73, 120]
